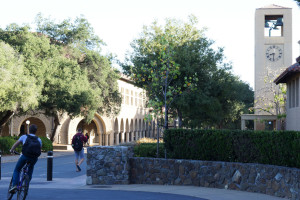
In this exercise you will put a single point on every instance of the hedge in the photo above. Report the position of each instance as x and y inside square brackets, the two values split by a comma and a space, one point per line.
[266, 147]
[7, 142]
[149, 150]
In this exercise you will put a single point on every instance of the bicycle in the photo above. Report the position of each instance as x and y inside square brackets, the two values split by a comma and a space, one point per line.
[23, 184]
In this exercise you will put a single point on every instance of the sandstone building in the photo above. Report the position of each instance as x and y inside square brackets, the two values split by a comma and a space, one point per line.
[128, 126]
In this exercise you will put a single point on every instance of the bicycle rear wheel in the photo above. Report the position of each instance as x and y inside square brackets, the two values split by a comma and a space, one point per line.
[23, 191]
[9, 195]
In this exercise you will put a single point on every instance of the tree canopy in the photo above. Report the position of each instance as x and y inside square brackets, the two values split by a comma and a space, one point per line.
[206, 91]
[81, 44]
[65, 68]
[17, 88]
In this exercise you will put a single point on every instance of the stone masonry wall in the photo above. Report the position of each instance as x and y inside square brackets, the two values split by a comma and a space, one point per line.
[267, 179]
[107, 165]
[116, 165]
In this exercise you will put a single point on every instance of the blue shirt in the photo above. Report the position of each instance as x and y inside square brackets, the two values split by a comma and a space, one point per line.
[24, 137]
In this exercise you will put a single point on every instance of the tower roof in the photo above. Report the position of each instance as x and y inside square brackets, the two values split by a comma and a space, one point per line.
[273, 6]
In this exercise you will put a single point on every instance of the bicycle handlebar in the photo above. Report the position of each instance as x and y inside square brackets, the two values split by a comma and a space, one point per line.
[17, 153]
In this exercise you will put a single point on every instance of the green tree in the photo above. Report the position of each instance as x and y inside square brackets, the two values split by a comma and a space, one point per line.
[17, 88]
[219, 105]
[154, 66]
[178, 60]
[78, 33]
[62, 86]
[298, 2]
[233, 98]
[80, 43]
[272, 98]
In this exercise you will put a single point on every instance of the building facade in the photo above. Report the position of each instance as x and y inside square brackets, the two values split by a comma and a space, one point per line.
[291, 76]
[128, 126]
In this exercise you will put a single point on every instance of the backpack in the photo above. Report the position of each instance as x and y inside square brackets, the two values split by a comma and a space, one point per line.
[77, 143]
[32, 147]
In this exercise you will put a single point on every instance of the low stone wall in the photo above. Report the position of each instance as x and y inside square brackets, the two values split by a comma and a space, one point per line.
[110, 166]
[268, 179]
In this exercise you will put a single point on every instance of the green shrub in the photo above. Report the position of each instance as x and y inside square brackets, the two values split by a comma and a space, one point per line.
[149, 150]
[7, 142]
[46, 144]
[266, 147]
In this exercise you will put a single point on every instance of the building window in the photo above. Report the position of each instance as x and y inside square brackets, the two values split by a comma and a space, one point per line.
[290, 94]
[123, 96]
[293, 93]
[297, 92]
[135, 99]
[127, 97]
[140, 99]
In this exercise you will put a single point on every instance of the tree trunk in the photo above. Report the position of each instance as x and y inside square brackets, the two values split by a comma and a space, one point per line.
[179, 118]
[166, 126]
[56, 123]
[6, 117]
[157, 146]
[278, 124]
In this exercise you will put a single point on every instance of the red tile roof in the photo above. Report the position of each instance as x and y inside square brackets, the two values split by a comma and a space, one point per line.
[290, 71]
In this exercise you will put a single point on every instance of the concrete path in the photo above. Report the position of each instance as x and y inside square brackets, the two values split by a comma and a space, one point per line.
[71, 187]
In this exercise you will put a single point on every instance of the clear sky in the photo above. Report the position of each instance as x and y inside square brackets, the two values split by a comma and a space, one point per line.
[230, 23]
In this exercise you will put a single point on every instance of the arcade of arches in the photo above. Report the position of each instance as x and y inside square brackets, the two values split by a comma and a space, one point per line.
[128, 126]
[99, 131]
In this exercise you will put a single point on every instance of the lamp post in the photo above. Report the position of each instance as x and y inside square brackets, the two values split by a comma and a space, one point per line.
[27, 122]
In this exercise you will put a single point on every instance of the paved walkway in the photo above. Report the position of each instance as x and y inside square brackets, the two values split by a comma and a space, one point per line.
[192, 191]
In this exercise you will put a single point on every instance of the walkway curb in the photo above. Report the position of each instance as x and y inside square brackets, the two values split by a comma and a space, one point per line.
[14, 158]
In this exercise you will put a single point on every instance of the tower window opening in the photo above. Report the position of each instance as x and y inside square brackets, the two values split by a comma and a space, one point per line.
[274, 25]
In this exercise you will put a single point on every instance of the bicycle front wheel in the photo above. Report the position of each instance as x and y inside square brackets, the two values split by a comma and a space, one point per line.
[9, 195]
[22, 192]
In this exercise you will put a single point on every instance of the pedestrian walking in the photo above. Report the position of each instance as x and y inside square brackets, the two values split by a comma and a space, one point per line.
[87, 138]
[77, 144]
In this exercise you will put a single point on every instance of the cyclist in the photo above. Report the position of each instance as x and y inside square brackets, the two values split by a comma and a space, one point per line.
[31, 150]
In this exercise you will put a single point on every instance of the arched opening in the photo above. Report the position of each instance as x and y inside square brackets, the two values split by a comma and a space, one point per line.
[127, 131]
[41, 128]
[140, 129]
[121, 135]
[131, 136]
[90, 130]
[144, 128]
[136, 137]
[116, 132]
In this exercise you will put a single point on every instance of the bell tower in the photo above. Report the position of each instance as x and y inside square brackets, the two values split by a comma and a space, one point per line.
[273, 53]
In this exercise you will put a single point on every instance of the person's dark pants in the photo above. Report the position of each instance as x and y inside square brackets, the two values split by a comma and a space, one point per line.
[21, 162]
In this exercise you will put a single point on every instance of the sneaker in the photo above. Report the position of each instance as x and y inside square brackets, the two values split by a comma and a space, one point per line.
[78, 168]
[13, 189]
